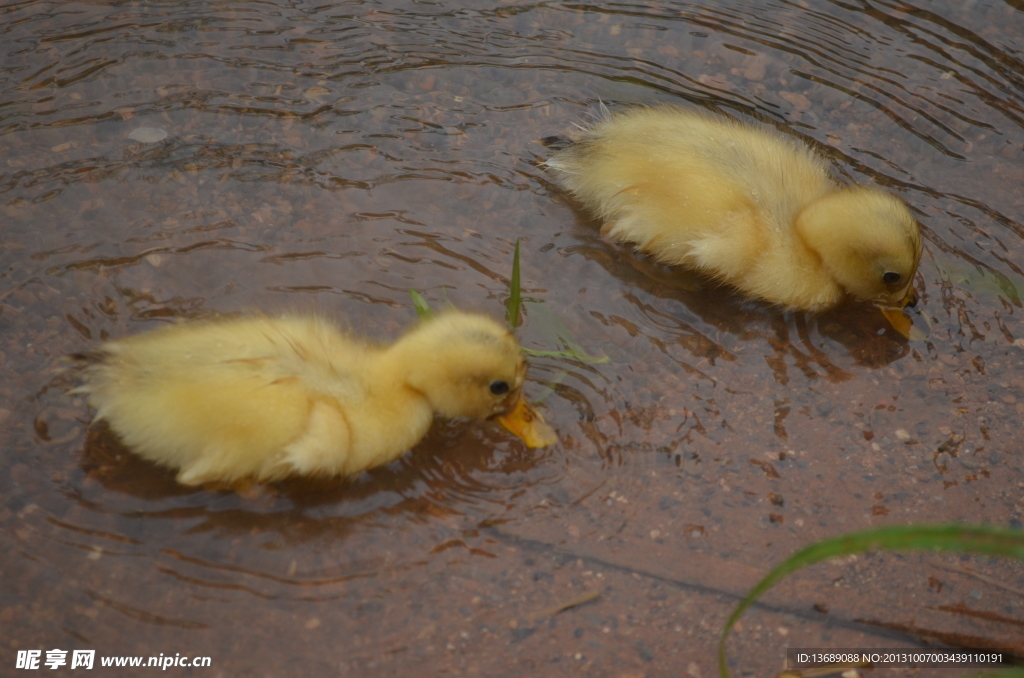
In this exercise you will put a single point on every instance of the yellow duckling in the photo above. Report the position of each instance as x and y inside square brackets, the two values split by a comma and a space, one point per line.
[742, 204]
[265, 398]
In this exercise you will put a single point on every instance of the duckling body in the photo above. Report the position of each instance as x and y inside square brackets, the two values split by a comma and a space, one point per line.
[265, 398]
[742, 204]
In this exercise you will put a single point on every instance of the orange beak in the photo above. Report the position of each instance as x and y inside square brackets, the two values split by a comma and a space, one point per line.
[898, 319]
[526, 424]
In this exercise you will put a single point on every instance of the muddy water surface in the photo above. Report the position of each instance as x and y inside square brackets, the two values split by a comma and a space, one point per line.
[167, 160]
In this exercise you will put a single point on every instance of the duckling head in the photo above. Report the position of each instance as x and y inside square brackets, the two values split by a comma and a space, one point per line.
[466, 365]
[868, 240]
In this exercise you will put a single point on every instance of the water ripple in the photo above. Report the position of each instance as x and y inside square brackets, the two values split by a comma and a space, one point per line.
[182, 158]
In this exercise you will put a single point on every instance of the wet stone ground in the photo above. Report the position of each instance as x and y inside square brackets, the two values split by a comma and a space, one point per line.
[186, 159]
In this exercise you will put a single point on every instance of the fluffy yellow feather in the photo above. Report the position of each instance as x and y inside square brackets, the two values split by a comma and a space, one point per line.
[742, 204]
[265, 398]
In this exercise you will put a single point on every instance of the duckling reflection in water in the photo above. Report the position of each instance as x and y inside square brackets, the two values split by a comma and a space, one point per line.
[741, 204]
[264, 398]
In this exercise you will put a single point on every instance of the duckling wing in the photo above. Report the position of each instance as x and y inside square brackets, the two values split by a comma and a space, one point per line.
[694, 190]
[223, 400]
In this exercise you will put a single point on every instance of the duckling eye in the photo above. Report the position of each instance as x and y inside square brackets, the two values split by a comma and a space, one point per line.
[891, 278]
[499, 387]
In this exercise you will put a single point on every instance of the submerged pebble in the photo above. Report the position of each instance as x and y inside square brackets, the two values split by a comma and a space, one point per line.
[148, 135]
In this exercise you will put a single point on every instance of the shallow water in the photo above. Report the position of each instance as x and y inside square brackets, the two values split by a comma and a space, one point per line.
[177, 159]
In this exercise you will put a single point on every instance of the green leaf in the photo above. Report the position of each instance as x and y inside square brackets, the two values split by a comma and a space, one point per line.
[514, 299]
[980, 280]
[594, 360]
[984, 539]
[423, 309]
[556, 332]
[554, 327]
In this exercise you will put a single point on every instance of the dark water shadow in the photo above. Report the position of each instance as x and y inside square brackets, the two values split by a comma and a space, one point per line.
[459, 468]
[859, 329]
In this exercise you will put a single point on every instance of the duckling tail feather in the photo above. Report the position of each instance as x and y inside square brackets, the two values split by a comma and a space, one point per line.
[87, 357]
[559, 142]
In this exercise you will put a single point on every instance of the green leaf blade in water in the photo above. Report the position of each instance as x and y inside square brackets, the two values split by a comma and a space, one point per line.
[421, 305]
[556, 332]
[567, 354]
[978, 279]
[981, 539]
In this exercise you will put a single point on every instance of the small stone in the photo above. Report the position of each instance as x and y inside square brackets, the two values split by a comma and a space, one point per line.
[148, 135]
[797, 100]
